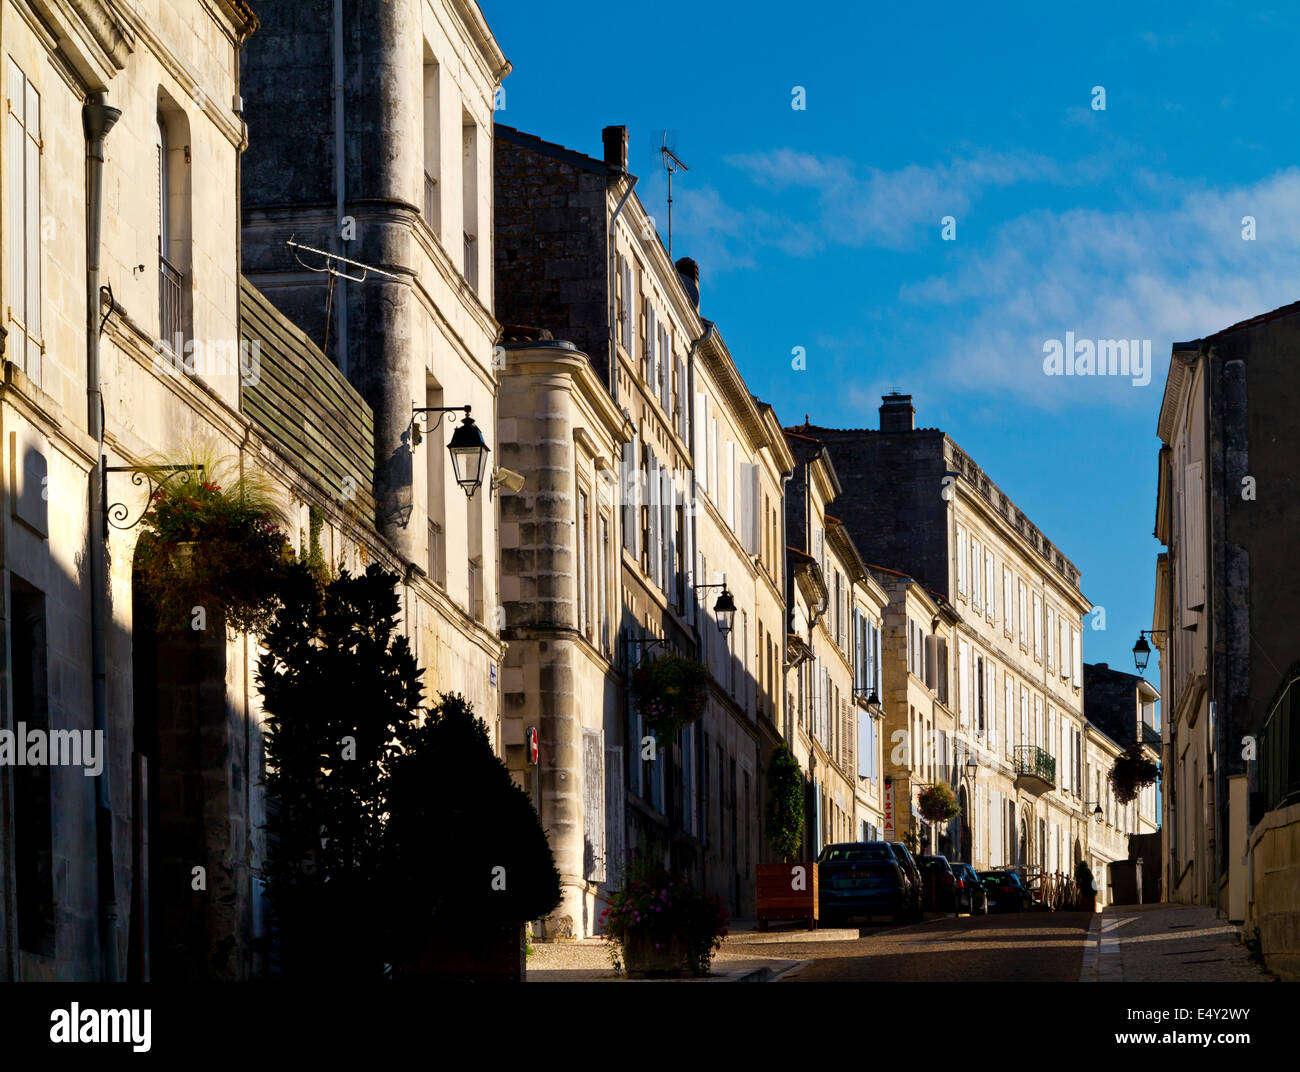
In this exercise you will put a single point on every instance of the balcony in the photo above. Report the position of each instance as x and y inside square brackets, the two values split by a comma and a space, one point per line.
[1035, 770]
[170, 305]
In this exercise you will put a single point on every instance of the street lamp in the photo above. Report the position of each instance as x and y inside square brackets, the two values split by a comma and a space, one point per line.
[1096, 810]
[468, 450]
[724, 608]
[1142, 650]
[972, 765]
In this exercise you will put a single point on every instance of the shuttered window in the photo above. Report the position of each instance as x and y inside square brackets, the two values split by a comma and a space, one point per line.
[990, 588]
[961, 561]
[1193, 550]
[23, 234]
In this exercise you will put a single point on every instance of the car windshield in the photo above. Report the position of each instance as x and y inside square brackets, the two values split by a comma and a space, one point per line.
[839, 854]
[935, 864]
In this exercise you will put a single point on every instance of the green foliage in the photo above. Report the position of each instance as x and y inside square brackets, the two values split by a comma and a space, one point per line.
[211, 544]
[464, 844]
[661, 906]
[671, 691]
[1131, 773]
[785, 803]
[385, 828]
[337, 686]
[937, 803]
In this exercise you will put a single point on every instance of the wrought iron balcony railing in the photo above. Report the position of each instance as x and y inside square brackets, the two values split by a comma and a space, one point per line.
[1033, 762]
[170, 303]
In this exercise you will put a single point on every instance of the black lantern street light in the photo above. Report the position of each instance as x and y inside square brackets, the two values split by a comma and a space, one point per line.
[468, 450]
[725, 607]
[1096, 810]
[1142, 650]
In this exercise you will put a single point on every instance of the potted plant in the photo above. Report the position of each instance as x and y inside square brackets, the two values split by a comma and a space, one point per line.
[671, 691]
[1131, 773]
[660, 926]
[937, 803]
[785, 890]
[211, 539]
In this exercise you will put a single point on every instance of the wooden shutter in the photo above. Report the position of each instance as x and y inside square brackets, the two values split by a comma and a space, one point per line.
[1193, 549]
[593, 800]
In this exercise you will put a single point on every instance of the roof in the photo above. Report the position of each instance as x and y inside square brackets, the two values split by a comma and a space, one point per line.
[550, 148]
[1242, 325]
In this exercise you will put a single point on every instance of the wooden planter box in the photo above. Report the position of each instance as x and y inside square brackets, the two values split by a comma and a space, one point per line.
[487, 954]
[779, 900]
[642, 960]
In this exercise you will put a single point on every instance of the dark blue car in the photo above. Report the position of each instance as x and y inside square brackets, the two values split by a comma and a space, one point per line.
[860, 878]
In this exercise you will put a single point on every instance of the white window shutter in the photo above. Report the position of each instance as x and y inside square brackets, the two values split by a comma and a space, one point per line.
[702, 441]
[990, 587]
[732, 489]
[991, 703]
[713, 456]
[1193, 549]
[630, 495]
[961, 561]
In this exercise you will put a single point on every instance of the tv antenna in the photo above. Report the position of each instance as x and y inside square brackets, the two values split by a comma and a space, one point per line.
[671, 163]
[330, 265]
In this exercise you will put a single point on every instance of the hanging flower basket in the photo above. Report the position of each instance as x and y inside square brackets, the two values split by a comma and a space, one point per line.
[1131, 773]
[937, 804]
[670, 692]
[202, 547]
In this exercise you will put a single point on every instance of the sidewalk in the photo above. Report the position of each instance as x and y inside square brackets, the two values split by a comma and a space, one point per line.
[588, 961]
[1166, 943]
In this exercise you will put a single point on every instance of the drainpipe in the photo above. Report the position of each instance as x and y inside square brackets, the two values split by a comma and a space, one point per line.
[97, 119]
[339, 173]
[613, 272]
[1219, 716]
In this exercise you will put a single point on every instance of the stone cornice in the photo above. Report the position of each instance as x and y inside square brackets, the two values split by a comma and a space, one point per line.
[547, 357]
[1181, 367]
[477, 32]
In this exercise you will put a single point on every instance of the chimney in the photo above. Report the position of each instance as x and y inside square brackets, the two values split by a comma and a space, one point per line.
[689, 272]
[897, 413]
[615, 139]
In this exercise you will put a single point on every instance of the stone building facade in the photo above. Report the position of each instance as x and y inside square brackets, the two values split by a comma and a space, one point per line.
[1222, 622]
[919, 724]
[561, 591]
[834, 623]
[921, 504]
[379, 149]
[578, 257]
[148, 869]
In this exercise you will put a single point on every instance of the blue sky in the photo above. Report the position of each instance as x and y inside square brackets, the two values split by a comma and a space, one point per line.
[820, 228]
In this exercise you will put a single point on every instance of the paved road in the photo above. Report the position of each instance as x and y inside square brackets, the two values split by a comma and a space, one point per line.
[1028, 947]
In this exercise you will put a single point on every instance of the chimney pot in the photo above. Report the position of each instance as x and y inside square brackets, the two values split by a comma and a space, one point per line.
[897, 414]
[689, 272]
[615, 139]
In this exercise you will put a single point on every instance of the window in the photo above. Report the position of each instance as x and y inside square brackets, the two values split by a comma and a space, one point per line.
[172, 141]
[961, 561]
[33, 814]
[584, 579]
[976, 573]
[602, 599]
[989, 587]
[1076, 645]
[1008, 612]
[23, 236]
[432, 145]
[1051, 638]
[435, 462]
[1024, 612]
[469, 198]
[1038, 627]
[979, 693]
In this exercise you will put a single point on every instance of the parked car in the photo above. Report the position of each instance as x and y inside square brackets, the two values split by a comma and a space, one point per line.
[968, 891]
[860, 878]
[913, 874]
[1006, 892]
[938, 884]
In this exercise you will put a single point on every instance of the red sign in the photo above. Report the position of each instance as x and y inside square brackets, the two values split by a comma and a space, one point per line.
[889, 811]
[532, 745]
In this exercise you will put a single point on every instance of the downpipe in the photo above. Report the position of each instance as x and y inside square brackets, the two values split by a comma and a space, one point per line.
[97, 119]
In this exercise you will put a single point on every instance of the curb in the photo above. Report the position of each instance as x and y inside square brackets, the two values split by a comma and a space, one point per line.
[1102, 962]
[776, 974]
